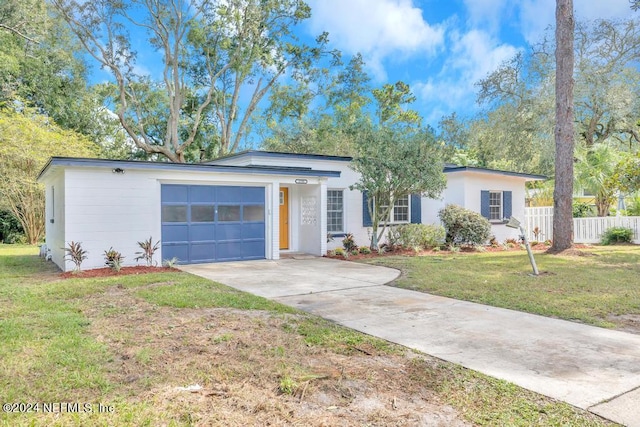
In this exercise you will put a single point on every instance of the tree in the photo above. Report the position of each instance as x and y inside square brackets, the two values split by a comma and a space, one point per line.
[215, 57]
[594, 172]
[563, 191]
[27, 140]
[395, 162]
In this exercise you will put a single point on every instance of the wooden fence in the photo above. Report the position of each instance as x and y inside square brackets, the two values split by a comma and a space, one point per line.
[538, 223]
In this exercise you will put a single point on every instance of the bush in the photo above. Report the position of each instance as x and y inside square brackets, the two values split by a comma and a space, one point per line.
[464, 226]
[113, 259]
[10, 228]
[365, 250]
[338, 252]
[420, 236]
[617, 235]
[349, 243]
[582, 210]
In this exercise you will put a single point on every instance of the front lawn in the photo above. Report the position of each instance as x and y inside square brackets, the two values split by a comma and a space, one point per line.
[174, 349]
[601, 287]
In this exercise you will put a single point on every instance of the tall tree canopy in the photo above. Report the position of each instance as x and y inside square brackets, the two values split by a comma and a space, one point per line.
[27, 140]
[216, 61]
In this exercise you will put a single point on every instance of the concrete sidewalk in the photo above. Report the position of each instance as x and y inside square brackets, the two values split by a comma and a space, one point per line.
[592, 368]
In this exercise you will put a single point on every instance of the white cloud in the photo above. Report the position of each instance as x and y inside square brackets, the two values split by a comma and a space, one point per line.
[376, 28]
[488, 13]
[473, 55]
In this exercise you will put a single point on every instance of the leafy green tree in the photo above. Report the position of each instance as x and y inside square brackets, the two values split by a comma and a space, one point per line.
[41, 66]
[218, 60]
[627, 173]
[594, 172]
[27, 140]
[395, 162]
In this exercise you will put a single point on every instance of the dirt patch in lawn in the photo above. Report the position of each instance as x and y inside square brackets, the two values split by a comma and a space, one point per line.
[229, 367]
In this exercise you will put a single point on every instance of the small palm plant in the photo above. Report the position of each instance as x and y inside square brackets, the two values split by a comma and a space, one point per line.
[113, 259]
[148, 249]
[75, 254]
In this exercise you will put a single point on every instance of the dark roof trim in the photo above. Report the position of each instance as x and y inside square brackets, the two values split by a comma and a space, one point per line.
[279, 155]
[452, 168]
[136, 164]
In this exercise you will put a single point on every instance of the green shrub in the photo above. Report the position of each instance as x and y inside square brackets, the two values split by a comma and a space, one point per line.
[582, 210]
[464, 226]
[633, 205]
[113, 259]
[10, 229]
[365, 250]
[349, 243]
[338, 252]
[617, 235]
[416, 236]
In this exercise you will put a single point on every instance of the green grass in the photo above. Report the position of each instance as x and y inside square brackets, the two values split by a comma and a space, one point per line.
[587, 289]
[48, 353]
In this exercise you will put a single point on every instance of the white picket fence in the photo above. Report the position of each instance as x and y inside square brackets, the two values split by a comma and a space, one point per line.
[538, 223]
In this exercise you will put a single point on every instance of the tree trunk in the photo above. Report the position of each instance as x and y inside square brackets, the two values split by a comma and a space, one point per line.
[563, 191]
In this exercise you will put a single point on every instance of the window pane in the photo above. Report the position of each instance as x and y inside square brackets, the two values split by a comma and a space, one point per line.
[200, 213]
[174, 213]
[335, 206]
[228, 213]
[253, 213]
[401, 209]
[495, 205]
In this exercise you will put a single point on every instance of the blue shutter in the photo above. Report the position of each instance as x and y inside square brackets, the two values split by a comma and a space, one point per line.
[484, 203]
[416, 209]
[366, 218]
[506, 201]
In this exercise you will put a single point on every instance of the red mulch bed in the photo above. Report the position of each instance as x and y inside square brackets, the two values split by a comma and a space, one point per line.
[540, 247]
[124, 271]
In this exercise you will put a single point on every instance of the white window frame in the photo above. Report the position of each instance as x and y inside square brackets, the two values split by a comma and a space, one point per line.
[392, 212]
[500, 206]
[342, 211]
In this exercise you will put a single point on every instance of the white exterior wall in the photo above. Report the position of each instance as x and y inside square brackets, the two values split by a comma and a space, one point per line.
[106, 210]
[55, 217]
[352, 199]
[475, 182]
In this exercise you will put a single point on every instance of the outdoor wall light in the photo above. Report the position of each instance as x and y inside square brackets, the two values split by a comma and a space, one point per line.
[301, 181]
[514, 223]
[117, 170]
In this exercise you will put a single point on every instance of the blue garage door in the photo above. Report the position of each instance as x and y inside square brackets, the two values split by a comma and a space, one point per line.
[203, 223]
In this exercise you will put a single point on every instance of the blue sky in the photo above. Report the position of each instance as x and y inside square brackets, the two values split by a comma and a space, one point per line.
[442, 47]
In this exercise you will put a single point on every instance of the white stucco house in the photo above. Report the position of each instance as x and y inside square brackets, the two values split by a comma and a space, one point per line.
[250, 205]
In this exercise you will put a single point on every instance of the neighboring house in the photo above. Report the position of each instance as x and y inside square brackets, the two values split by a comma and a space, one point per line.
[251, 205]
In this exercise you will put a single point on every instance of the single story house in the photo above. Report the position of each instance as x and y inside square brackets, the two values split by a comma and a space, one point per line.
[250, 205]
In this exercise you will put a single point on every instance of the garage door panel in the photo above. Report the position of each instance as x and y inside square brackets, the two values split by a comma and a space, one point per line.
[201, 252]
[212, 223]
[253, 195]
[227, 194]
[202, 232]
[253, 231]
[175, 193]
[253, 250]
[175, 233]
[178, 251]
[229, 231]
[202, 193]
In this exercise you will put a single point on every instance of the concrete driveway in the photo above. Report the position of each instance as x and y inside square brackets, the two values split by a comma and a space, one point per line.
[591, 368]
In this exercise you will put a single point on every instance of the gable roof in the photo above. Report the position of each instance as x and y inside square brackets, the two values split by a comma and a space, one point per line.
[61, 162]
[448, 168]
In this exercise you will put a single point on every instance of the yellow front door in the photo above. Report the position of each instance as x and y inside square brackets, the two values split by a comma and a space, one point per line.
[284, 218]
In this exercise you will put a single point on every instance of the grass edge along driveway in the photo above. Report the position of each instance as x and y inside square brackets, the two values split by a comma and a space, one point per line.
[50, 353]
[601, 287]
